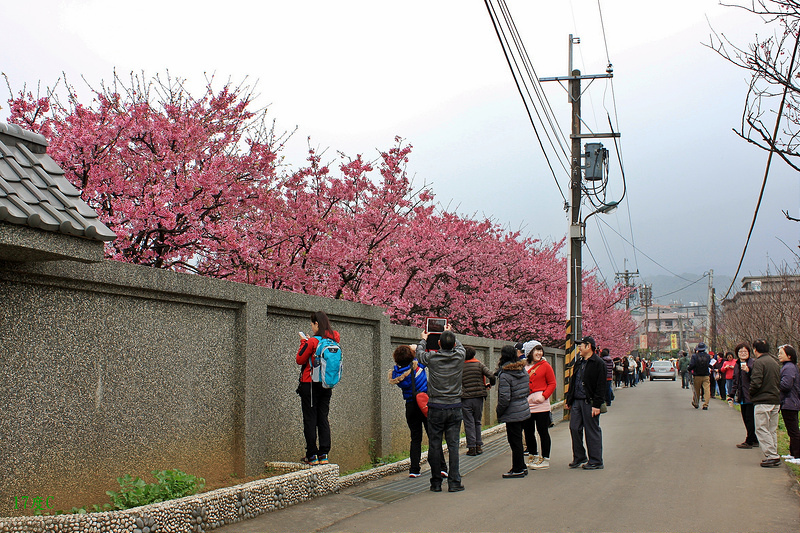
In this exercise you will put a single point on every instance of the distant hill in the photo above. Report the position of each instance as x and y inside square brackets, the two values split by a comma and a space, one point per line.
[673, 289]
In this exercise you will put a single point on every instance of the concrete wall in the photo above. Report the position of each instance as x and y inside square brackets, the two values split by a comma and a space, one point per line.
[110, 368]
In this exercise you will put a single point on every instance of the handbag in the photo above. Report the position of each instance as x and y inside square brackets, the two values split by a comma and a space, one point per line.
[420, 397]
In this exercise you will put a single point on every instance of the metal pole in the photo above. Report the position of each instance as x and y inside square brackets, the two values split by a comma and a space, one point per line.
[574, 332]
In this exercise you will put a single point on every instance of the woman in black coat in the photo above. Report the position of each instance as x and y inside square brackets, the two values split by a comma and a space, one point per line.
[512, 406]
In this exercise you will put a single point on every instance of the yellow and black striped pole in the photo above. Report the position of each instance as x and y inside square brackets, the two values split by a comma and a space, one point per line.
[569, 358]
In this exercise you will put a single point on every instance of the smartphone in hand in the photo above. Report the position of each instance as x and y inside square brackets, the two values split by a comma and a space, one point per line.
[303, 335]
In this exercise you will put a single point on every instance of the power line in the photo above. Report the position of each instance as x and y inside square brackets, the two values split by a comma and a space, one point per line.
[685, 287]
[766, 170]
[644, 254]
[503, 45]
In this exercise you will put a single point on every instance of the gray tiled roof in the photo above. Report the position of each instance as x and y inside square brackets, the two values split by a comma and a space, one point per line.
[35, 193]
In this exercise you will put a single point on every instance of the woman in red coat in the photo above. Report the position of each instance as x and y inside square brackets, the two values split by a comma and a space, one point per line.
[316, 399]
[541, 384]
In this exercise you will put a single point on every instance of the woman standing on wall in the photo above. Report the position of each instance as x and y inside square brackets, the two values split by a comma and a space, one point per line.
[541, 385]
[512, 406]
[315, 398]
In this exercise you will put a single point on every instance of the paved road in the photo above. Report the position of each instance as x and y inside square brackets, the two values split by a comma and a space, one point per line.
[668, 468]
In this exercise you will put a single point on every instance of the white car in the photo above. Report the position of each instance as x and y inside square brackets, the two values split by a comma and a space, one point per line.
[662, 370]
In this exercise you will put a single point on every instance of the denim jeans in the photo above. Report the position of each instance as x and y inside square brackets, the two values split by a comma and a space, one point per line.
[447, 423]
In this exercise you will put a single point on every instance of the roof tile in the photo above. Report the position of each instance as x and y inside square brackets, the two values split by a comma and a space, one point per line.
[34, 191]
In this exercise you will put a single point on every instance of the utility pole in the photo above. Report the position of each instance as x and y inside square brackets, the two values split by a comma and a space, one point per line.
[576, 228]
[712, 321]
[658, 332]
[708, 308]
[626, 281]
[646, 293]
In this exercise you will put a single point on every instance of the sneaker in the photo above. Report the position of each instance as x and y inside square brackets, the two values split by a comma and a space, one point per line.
[792, 461]
[744, 446]
[534, 459]
[322, 459]
[472, 452]
[414, 474]
[787, 457]
[542, 464]
[590, 466]
[769, 463]
[526, 452]
[705, 408]
[512, 474]
[455, 487]
[310, 460]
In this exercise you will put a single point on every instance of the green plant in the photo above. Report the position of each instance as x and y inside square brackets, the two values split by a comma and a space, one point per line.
[171, 484]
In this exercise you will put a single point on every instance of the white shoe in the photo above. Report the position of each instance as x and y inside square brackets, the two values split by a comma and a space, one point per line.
[542, 463]
[787, 457]
[533, 459]
[792, 461]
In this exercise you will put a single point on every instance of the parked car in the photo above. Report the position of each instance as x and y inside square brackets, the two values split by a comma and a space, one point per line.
[663, 370]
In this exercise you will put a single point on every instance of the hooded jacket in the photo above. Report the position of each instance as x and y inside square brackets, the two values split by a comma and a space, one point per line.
[512, 393]
[790, 387]
[402, 378]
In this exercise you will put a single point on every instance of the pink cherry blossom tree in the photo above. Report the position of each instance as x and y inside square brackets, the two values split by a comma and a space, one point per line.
[197, 185]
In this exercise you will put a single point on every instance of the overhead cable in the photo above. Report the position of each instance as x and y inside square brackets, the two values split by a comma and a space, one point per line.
[766, 170]
[506, 51]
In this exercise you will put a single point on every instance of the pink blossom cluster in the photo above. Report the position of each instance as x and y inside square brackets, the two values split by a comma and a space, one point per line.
[199, 185]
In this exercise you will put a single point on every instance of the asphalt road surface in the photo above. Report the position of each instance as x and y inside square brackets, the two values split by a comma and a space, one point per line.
[668, 468]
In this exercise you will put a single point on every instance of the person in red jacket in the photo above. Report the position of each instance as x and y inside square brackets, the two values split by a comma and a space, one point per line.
[315, 399]
[541, 384]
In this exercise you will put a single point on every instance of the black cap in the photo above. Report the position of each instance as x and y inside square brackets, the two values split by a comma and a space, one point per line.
[518, 346]
[590, 340]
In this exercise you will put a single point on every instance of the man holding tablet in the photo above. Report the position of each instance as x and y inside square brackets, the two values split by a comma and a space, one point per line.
[445, 368]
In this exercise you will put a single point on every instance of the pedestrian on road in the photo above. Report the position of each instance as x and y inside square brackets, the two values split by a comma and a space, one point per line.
[512, 406]
[619, 372]
[473, 393]
[445, 370]
[741, 394]
[699, 366]
[606, 357]
[315, 399]
[727, 374]
[683, 368]
[541, 385]
[765, 393]
[587, 392]
[717, 382]
[405, 370]
[790, 399]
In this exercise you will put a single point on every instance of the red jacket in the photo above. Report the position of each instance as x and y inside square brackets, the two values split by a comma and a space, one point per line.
[308, 348]
[542, 378]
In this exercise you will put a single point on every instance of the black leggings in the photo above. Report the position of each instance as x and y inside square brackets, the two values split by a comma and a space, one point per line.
[540, 422]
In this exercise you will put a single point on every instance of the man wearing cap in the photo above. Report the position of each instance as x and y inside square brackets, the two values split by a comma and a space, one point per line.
[587, 392]
[698, 366]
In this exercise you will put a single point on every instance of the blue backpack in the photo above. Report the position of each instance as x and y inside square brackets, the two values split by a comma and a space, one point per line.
[327, 365]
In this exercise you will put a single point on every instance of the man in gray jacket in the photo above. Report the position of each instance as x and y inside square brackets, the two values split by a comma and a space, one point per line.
[765, 393]
[445, 370]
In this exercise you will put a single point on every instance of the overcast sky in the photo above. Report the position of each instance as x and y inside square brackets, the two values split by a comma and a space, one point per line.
[352, 74]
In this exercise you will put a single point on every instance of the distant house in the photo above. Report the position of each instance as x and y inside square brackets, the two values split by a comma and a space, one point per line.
[41, 213]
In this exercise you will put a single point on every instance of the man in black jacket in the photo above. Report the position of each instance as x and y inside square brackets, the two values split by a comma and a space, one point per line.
[587, 392]
[698, 366]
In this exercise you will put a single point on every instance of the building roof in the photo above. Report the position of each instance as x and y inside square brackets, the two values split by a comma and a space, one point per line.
[35, 193]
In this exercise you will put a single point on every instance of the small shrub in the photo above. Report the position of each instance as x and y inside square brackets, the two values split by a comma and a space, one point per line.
[171, 484]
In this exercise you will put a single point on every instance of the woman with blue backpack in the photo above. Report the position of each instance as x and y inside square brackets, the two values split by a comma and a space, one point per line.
[314, 391]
